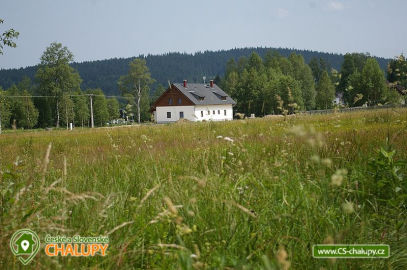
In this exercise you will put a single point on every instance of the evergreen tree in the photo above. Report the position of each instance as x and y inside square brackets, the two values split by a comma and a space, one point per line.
[374, 86]
[303, 73]
[255, 62]
[325, 92]
[158, 92]
[231, 66]
[352, 63]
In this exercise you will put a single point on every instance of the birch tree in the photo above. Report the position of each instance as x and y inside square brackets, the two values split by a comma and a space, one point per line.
[137, 82]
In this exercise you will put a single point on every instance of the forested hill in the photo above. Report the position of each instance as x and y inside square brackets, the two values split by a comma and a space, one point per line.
[173, 67]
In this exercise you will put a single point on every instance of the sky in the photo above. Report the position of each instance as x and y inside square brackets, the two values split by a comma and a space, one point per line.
[102, 29]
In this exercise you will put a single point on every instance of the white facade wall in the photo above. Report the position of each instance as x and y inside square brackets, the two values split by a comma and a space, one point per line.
[160, 115]
[219, 114]
[193, 113]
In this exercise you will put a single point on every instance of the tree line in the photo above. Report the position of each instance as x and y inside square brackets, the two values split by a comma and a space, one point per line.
[276, 84]
[175, 67]
[55, 97]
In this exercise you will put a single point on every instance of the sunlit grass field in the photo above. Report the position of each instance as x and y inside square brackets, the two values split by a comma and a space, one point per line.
[246, 194]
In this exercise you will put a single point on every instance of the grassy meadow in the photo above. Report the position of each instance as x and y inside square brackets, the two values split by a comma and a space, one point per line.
[246, 194]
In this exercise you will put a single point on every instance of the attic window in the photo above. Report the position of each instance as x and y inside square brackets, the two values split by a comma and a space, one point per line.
[219, 95]
[197, 96]
[170, 101]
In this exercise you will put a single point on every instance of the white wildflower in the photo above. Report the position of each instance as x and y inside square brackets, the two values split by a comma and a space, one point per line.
[338, 177]
[315, 158]
[348, 207]
[327, 162]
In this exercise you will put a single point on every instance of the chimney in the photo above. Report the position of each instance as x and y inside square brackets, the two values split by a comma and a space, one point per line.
[211, 83]
[185, 83]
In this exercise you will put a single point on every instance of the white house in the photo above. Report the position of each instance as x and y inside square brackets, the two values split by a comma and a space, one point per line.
[194, 102]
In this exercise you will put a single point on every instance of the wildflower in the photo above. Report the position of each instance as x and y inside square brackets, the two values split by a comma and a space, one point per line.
[183, 229]
[327, 162]
[338, 176]
[194, 228]
[18, 161]
[311, 142]
[348, 207]
[282, 258]
[298, 130]
[228, 139]
[315, 158]
[219, 137]
[329, 240]
[192, 200]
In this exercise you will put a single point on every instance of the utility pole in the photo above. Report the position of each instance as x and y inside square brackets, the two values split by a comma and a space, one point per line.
[91, 112]
[138, 101]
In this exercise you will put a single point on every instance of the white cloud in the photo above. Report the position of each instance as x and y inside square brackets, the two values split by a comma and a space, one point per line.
[335, 5]
[282, 13]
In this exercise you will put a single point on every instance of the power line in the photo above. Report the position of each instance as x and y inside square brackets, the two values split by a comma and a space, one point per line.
[83, 95]
[86, 95]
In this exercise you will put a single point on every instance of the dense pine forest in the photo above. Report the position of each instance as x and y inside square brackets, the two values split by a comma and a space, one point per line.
[173, 67]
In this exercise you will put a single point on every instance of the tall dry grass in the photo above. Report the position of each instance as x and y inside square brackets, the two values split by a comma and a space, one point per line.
[244, 194]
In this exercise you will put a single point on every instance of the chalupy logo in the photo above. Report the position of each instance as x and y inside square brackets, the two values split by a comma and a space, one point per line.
[25, 244]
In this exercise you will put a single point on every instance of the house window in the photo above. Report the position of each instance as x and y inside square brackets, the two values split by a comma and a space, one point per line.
[179, 101]
[170, 101]
[209, 112]
[181, 115]
[213, 111]
[168, 114]
[201, 113]
[224, 112]
[218, 111]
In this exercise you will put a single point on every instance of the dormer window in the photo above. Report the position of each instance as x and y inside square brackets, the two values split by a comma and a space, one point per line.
[220, 95]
